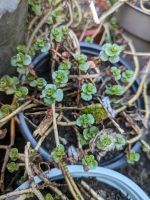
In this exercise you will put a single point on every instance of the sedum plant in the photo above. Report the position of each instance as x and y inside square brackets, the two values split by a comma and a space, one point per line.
[12, 167]
[132, 157]
[41, 44]
[58, 153]
[21, 61]
[89, 162]
[110, 52]
[120, 141]
[60, 77]
[117, 90]
[116, 73]
[82, 62]
[65, 66]
[21, 93]
[85, 120]
[105, 142]
[89, 133]
[56, 35]
[48, 196]
[87, 90]
[52, 94]
[14, 154]
[35, 6]
[8, 84]
[127, 76]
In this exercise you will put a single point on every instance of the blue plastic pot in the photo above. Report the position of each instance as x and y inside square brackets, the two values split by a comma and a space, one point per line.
[42, 61]
[103, 175]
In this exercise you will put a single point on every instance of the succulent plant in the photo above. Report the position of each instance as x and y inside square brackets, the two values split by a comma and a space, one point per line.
[117, 90]
[127, 76]
[105, 142]
[82, 61]
[89, 162]
[35, 6]
[49, 20]
[133, 157]
[56, 35]
[21, 93]
[12, 167]
[65, 65]
[21, 48]
[8, 84]
[120, 141]
[116, 73]
[58, 153]
[87, 90]
[98, 112]
[41, 83]
[48, 196]
[14, 154]
[41, 44]
[52, 94]
[110, 52]
[21, 61]
[64, 30]
[85, 120]
[90, 133]
[60, 77]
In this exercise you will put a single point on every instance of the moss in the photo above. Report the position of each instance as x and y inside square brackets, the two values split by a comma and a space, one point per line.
[97, 111]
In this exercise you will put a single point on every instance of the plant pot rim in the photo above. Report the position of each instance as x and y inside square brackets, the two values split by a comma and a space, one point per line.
[114, 163]
[104, 175]
[137, 8]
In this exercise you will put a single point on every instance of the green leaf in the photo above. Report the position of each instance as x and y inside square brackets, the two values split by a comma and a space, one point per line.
[27, 60]
[48, 196]
[90, 133]
[59, 95]
[14, 154]
[21, 93]
[105, 142]
[84, 66]
[120, 141]
[33, 83]
[116, 73]
[60, 77]
[86, 97]
[89, 161]
[85, 120]
[127, 76]
[58, 153]
[132, 157]
[12, 167]
[46, 47]
[114, 59]
[117, 90]
[103, 56]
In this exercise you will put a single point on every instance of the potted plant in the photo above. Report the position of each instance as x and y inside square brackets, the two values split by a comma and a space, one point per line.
[134, 18]
[74, 105]
[100, 183]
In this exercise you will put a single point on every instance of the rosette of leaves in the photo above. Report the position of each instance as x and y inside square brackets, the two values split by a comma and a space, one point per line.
[87, 90]
[21, 93]
[52, 94]
[30, 79]
[120, 141]
[117, 90]
[8, 84]
[89, 162]
[21, 61]
[64, 30]
[56, 35]
[105, 142]
[60, 77]
[85, 120]
[14, 154]
[21, 48]
[110, 52]
[82, 61]
[57, 13]
[35, 6]
[48, 196]
[116, 73]
[65, 66]
[12, 167]
[41, 83]
[5, 110]
[41, 45]
[49, 20]
[127, 76]
[98, 112]
[58, 153]
[133, 157]
[89, 133]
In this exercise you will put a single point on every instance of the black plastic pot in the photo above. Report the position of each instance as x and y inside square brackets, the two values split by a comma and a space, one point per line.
[136, 24]
[42, 61]
[103, 175]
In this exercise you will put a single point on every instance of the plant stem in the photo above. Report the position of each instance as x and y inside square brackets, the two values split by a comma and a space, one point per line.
[55, 125]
